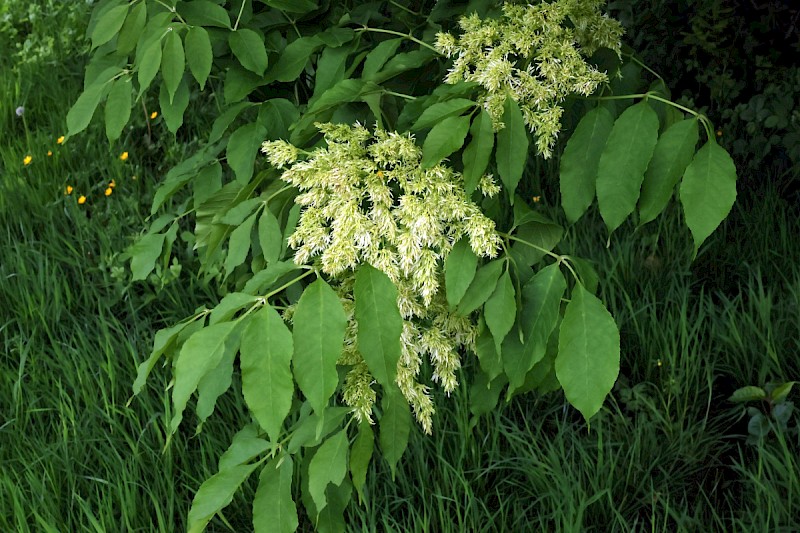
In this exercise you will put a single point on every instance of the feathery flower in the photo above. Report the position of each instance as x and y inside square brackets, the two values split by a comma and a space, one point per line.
[20, 111]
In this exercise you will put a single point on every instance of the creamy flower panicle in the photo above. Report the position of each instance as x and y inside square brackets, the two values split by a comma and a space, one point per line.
[535, 55]
[366, 199]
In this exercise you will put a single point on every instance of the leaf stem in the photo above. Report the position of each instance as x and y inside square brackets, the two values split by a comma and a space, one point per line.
[398, 34]
[560, 259]
[239, 16]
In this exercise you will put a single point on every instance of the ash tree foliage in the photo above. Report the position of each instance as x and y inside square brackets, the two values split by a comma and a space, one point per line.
[362, 203]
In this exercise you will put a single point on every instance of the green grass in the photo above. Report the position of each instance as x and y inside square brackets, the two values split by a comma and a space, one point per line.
[666, 453]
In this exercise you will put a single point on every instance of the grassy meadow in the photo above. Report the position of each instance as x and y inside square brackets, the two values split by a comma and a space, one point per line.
[668, 452]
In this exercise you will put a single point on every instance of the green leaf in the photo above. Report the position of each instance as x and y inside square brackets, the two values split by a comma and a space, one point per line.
[781, 392]
[512, 147]
[484, 394]
[224, 121]
[541, 303]
[230, 305]
[437, 112]
[330, 68]
[236, 214]
[277, 116]
[132, 29]
[173, 111]
[149, 64]
[500, 310]
[249, 49]
[80, 114]
[199, 54]
[173, 63]
[395, 427]
[214, 384]
[544, 236]
[109, 25]
[579, 162]
[587, 363]
[118, 107]
[274, 509]
[319, 327]
[215, 494]
[478, 152]
[265, 357]
[294, 59]
[481, 288]
[708, 191]
[331, 518]
[239, 83]
[623, 162]
[360, 457]
[459, 269]
[293, 6]
[488, 355]
[378, 57]
[379, 323]
[444, 138]
[402, 63]
[204, 13]
[269, 236]
[310, 431]
[162, 342]
[748, 394]
[239, 245]
[671, 156]
[329, 465]
[264, 279]
[243, 148]
[245, 446]
[200, 354]
[144, 254]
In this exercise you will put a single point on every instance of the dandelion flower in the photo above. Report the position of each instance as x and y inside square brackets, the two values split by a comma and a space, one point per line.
[153, 115]
[109, 191]
[112, 184]
[49, 153]
[68, 189]
[123, 156]
[60, 140]
[82, 199]
[27, 160]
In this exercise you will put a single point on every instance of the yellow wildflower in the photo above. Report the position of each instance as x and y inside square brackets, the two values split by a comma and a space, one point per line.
[60, 140]
[719, 133]
[27, 160]
[153, 115]
[82, 199]
[536, 199]
[123, 156]
[109, 191]
[134, 178]
[112, 184]
[49, 153]
[68, 189]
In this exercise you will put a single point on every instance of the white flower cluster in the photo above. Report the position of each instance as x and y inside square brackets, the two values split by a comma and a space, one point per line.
[535, 55]
[366, 199]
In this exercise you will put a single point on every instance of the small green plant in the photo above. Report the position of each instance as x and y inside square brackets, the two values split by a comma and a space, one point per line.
[775, 413]
[372, 250]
